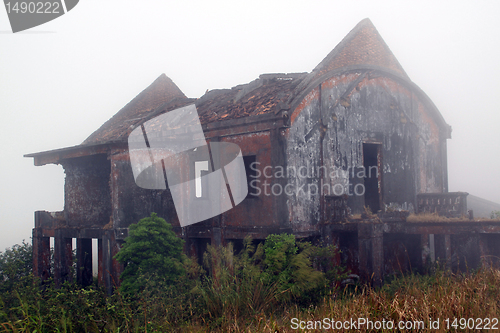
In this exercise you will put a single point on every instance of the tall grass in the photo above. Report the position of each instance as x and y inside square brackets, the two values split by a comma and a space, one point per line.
[231, 296]
[245, 308]
[407, 298]
[234, 288]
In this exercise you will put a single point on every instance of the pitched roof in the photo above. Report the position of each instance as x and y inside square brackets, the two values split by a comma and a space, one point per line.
[363, 45]
[161, 91]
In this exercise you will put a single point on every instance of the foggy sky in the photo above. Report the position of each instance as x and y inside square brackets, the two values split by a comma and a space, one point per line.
[62, 80]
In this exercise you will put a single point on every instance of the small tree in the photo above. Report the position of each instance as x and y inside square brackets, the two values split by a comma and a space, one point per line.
[16, 265]
[152, 253]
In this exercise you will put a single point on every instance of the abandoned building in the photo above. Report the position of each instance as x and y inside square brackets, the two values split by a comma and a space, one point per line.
[318, 148]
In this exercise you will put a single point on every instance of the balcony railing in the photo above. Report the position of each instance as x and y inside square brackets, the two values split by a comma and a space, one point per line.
[451, 204]
[336, 209]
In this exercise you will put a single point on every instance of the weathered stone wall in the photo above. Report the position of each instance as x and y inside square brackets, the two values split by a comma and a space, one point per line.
[255, 212]
[130, 203]
[327, 134]
[87, 200]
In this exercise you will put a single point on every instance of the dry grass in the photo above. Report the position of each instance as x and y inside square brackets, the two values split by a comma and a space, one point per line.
[435, 218]
[410, 298]
[440, 295]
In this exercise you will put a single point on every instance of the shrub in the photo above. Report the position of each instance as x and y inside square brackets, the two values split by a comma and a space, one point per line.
[152, 253]
[16, 265]
[16, 268]
[258, 279]
[288, 264]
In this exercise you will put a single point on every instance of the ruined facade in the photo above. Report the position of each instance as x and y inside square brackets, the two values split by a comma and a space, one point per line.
[318, 148]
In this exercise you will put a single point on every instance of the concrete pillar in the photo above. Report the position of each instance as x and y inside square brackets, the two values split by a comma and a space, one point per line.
[329, 237]
[190, 246]
[442, 244]
[41, 255]
[84, 261]
[484, 251]
[364, 250]
[216, 236]
[432, 247]
[116, 267]
[63, 257]
[425, 251]
[326, 234]
[100, 267]
[371, 252]
[335, 238]
[106, 263]
[447, 246]
[378, 254]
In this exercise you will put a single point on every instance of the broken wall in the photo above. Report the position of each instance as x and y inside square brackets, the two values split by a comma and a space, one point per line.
[87, 199]
[130, 203]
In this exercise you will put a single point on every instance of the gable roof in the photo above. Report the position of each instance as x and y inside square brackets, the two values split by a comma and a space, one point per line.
[161, 91]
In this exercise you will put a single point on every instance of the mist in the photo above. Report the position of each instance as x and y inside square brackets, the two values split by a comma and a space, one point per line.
[61, 81]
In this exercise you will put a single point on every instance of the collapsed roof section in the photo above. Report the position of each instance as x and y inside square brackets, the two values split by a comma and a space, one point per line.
[269, 93]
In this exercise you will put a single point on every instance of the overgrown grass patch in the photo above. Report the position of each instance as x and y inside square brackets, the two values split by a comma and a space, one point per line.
[231, 293]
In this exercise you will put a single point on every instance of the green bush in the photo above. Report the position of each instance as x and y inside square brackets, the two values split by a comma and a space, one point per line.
[152, 252]
[288, 264]
[16, 265]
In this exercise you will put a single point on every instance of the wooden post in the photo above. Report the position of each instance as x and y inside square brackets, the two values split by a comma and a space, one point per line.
[63, 257]
[41, 255]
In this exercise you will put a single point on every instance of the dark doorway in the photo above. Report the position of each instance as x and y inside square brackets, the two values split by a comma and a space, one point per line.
[371, 163]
